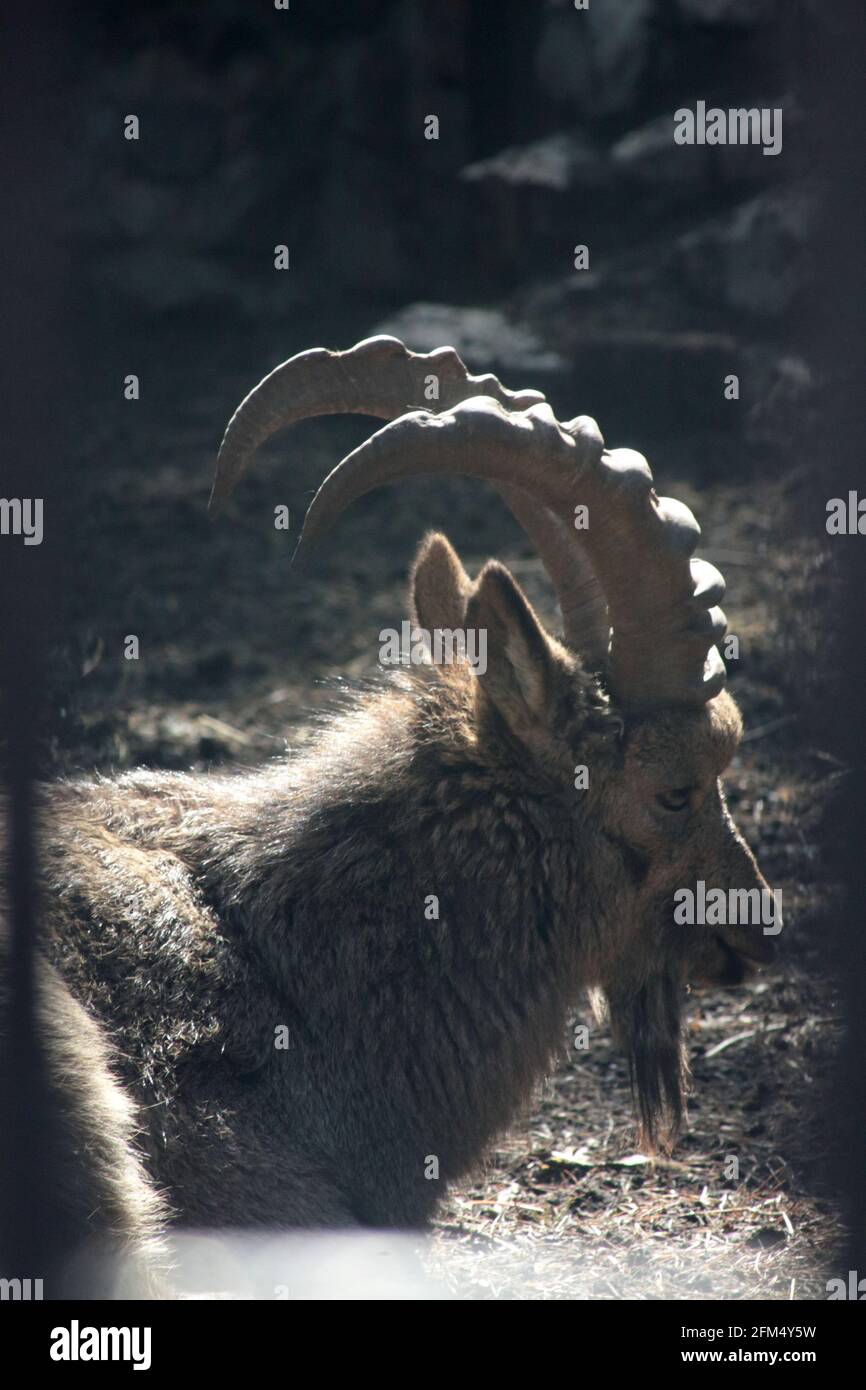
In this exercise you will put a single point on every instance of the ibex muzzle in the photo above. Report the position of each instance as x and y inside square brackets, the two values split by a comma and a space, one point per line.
[414, 904]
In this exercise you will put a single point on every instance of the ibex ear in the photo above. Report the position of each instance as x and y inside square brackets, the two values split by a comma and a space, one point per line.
[521, 659]
[439, 585]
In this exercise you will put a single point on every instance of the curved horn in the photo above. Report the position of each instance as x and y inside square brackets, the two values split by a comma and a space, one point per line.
[661, 602]
[381, 377]
[378, 376]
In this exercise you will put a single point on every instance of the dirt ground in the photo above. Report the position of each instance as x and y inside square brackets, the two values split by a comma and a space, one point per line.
[240, 655]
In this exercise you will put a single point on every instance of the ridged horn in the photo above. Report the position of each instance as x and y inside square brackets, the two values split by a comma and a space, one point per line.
[642, 586]
[383, 378]
[378, 377]
[661, 602]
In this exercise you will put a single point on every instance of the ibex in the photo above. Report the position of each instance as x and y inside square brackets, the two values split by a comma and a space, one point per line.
[195, 922]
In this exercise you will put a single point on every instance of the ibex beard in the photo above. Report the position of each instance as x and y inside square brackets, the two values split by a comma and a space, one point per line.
[194, 919]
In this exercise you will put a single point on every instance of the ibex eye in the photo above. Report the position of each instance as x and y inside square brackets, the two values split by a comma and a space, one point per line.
[676, 800]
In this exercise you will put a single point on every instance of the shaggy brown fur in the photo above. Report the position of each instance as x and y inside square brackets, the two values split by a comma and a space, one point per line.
[193, 917]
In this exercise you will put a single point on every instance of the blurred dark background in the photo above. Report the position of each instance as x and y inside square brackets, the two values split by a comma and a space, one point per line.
[306, 128]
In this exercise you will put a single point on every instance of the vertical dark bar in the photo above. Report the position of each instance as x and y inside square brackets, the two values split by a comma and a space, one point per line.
[840, 467]
[32, 136]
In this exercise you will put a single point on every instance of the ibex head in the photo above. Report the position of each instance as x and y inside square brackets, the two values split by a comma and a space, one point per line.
[633, 691]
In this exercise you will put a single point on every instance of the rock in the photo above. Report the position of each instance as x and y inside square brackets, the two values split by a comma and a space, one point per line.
[486, 339]
[532, 204]
[595, 59]
[649, 158]
[560, 163]
[638, 382]
[752, 260]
